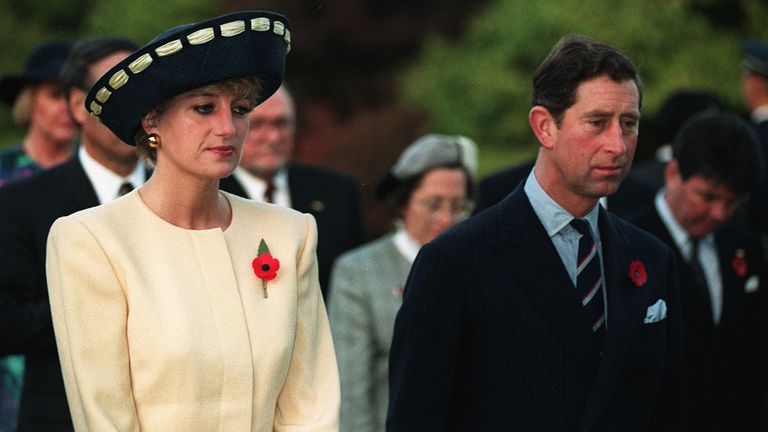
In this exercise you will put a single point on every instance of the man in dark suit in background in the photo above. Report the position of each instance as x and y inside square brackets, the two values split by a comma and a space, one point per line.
[265, 174]
[715, 166]
[98, 172]
[545, 312]
[754, 86]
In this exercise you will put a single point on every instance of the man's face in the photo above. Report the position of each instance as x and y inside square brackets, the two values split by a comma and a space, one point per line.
[98, 140]
[270, 140]
[591, 151]
[700, 205]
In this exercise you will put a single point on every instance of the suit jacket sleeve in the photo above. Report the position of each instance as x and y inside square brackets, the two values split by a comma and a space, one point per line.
[89, 313]
[310, 397]
[25, 319]
[353, 337]
[426, 346]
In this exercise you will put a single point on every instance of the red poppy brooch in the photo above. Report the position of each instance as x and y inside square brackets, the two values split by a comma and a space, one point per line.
[739, 264]
[637, 273]
[265, 266]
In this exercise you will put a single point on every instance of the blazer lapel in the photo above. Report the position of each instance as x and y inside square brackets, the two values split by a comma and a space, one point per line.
[538, 270]
[625, 313]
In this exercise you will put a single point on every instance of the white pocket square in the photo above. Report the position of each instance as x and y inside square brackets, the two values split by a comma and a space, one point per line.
[656, 313]
[752, 285]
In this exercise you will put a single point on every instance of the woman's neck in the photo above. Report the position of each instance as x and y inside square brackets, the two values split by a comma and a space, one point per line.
[188, 205]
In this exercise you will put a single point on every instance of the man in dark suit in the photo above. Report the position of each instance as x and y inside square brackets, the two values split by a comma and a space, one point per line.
[99, 170]
[265, 174]
[545, 312]
[754, 85]
[715, 166]
[632, 195]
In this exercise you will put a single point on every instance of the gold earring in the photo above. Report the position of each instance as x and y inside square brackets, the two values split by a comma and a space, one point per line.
[154, 140]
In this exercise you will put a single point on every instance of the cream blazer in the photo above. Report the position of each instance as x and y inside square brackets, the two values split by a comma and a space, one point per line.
[165, 329]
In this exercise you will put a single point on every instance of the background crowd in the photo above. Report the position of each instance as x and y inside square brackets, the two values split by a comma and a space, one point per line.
[363, 162]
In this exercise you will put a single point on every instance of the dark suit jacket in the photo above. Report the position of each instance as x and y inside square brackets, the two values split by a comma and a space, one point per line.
[632, 195]
[492, 337]
[29, 208]
[332, 198]
[724, 369]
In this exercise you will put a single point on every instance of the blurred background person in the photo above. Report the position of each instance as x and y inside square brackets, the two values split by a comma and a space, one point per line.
[267, 174]
[98, 172]
[39, 107]
[428, 190]
[754, 87]
[675, 110]
[715, 165]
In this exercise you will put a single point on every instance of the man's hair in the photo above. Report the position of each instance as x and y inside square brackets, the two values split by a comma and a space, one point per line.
[720, 147]
[573, 60]
[75, 73]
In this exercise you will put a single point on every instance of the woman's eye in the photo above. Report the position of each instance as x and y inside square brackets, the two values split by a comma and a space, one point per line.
[241, 110]
[204, 109]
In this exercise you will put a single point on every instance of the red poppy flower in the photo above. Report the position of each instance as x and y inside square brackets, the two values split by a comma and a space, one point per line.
[637, 273]
[266, 267]
[739, 264]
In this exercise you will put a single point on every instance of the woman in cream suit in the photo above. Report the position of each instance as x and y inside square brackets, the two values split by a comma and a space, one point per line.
[428, 189]
[179, 307]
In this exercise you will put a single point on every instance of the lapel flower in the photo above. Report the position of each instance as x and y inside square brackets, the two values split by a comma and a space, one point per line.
[637, 273]
[265, 266]
[739, 264]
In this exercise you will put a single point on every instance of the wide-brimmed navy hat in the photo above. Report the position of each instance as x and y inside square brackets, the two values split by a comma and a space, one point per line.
[248, 43]
[43, 64]
[756, 57]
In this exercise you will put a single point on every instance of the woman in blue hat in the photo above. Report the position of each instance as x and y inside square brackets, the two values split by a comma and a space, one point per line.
[39, 107]
[178, 306]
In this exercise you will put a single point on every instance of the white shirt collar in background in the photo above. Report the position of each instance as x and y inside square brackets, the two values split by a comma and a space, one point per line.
[255, 186]
[105, 182]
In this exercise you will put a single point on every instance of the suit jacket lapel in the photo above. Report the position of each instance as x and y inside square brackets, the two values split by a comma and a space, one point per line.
[625, 314]
[75, 179]
[539, 271]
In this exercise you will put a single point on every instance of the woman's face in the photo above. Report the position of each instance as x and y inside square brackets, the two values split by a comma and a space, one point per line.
[201, 133]
[48, 116]
[437, 203]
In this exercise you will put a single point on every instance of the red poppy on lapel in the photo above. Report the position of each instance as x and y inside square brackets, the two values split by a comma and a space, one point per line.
[637, 273]
[265, 266]
[739, 264]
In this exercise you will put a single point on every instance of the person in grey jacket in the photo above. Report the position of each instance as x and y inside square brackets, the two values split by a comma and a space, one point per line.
[428, 190]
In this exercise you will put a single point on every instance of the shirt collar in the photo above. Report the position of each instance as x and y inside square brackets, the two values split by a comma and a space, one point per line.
[553, 216]
[255, 186]
[407, 245]
[105, 182]
[759, 114]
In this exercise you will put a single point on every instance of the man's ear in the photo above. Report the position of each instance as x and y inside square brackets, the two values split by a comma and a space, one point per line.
[671, 172]
[543, 125]
[76, 105]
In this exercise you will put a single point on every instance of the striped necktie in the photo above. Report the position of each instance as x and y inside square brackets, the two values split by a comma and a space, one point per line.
[589, 281]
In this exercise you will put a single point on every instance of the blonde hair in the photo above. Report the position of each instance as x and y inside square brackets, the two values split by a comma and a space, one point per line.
[242, 87]
[21, 112]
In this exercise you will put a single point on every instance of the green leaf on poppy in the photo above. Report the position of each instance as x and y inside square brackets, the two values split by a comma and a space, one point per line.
[263, 248]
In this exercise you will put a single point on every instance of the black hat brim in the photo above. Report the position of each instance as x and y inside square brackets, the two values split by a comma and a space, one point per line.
[251, 43]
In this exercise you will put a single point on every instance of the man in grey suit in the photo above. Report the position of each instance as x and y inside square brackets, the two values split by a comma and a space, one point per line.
[546, 312]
